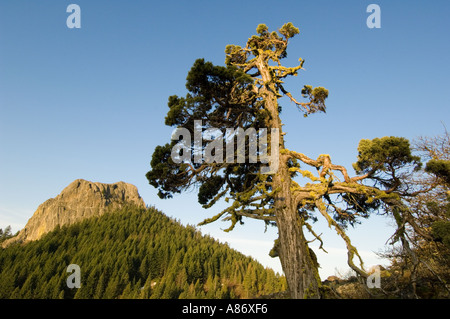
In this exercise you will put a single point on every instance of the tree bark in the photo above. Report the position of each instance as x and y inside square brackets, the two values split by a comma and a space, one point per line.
[298, 261]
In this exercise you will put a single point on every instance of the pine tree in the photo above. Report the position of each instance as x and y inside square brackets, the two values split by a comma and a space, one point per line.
[127, 292]
[112, 290]
[101, 286]
[146, 290]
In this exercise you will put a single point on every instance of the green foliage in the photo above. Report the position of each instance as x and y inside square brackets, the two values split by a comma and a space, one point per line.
[317, 97]
[387, 161]
[289, 30]
[208, 80]
[209, 189]
[384, 154]
[440, 168]
[131, 253]
[440, 229]
[441, 232]
[5, 234]
[223, 96]
[262, 29]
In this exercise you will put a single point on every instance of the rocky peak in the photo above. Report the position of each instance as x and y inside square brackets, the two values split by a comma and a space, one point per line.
[81, 199]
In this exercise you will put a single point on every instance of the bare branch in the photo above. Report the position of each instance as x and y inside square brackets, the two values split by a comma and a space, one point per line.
[351, 250]
[302, 157]
[256, 214]
[304, 105]
[308, 226]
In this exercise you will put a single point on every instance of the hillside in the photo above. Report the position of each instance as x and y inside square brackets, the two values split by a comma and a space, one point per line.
[132, 253]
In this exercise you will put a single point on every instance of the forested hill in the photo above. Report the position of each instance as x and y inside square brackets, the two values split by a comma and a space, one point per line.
[132, 253]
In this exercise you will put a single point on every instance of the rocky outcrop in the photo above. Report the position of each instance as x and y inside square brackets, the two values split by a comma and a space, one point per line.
[81, 199]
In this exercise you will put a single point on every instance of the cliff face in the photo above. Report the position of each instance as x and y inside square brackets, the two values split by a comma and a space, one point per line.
[81, 199]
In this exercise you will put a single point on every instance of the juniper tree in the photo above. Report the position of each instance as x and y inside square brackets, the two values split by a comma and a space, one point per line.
[245, 93]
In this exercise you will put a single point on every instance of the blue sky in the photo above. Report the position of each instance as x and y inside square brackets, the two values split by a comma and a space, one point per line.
[90, 102]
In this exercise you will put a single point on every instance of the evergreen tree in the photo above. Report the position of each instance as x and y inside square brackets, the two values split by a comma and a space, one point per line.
[101, 286]
[146, 291]
[244, 94]
[112, 290]
[5, 234]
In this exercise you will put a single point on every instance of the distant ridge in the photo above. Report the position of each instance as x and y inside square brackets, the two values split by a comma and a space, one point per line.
[79, 200]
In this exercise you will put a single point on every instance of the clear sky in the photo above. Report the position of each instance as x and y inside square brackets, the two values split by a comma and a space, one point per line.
[90, 102]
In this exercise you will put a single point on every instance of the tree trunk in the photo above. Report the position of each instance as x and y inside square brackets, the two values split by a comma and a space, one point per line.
[298, 261]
